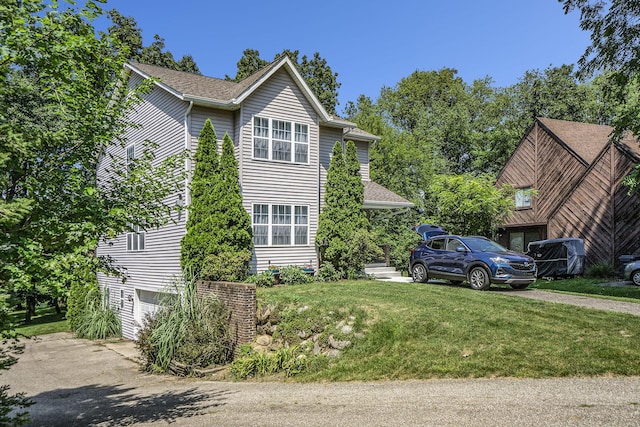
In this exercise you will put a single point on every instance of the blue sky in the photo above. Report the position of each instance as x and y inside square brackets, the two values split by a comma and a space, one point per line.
[370, 44]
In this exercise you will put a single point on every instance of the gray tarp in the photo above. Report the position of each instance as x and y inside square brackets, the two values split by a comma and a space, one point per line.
[558, 257]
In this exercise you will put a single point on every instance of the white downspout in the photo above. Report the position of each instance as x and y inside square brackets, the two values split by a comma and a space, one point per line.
[187, 161]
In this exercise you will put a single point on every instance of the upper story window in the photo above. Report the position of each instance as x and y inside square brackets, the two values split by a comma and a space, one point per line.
[135, 239]
[280, 140]
[280, 225]
[523, 198]
[131, 155]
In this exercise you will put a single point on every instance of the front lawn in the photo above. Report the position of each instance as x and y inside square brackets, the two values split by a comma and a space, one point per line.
[421, 331]
[46, 321]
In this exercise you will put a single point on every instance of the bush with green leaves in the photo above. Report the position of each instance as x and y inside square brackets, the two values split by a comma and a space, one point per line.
[294, 275]
[264, 279]
[328, 273]
[227, 266]
[186, 329]
[601, 270]
[342, 223]
[251, 363]
[98, 320]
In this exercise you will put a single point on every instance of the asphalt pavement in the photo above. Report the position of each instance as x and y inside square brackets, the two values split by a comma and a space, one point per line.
[76, 382]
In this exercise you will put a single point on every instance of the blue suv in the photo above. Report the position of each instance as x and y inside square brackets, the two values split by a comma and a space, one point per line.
[477, 260]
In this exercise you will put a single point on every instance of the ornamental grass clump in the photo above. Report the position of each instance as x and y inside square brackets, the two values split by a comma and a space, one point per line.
[186, 330]
[98, 320]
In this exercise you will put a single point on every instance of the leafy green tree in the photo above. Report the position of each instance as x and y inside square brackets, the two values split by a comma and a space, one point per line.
[615, 42]
[464, 204]
[248, 64]
[126, 33]
[322, 81]
[63, 100]
[59, 109]
[218, 242]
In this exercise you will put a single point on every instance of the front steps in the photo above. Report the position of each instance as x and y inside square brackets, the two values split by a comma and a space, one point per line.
[381, 272]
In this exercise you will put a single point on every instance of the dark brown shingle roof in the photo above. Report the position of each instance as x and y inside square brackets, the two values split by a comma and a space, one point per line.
[585, 139]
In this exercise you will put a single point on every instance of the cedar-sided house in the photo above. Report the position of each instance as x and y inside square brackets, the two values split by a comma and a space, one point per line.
[283, 139]
[567, 177]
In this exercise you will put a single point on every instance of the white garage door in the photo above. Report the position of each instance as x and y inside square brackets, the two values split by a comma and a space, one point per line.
[148, 303]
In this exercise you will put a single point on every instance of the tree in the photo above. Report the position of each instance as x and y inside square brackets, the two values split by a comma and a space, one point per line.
[343, 238]
[204, 201]
[322, 81]
[615, 43]
[218, 242]
[468, 205]
[59, 109]
[126, 33]
[62, 101]
[248, 64]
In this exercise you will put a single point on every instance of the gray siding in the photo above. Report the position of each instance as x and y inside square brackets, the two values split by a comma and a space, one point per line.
[271, 182]
[161, 117]
[362, 149]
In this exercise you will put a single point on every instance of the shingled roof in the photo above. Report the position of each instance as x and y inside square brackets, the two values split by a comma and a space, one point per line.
[378, 197]
[585, 139]
[194, 85]
[228, 94]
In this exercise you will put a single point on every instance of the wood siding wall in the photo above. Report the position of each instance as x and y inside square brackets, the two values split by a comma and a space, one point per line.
[586, 213]
[161, 117]
[576, 200]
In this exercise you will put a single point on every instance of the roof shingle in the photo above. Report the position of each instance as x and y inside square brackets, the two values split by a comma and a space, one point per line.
[585, 139]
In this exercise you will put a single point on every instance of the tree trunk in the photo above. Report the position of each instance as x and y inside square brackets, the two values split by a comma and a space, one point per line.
[30, 309]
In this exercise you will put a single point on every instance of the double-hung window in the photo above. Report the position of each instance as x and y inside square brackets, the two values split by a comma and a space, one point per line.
[135, 239]
[280, 225]
[131, 155]
[280, 140]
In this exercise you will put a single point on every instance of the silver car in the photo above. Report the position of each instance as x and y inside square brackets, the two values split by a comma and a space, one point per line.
[632, 272]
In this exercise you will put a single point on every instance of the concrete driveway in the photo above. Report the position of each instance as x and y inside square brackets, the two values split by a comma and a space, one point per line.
[77, 383]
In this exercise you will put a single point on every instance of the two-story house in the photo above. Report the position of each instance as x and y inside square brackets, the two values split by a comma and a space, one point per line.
[568, 180]
[283, 138]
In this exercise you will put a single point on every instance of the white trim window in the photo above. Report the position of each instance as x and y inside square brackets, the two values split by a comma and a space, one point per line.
[280, 225]
[280, 140]
[131, 155]
[135, 239]
[523, 198]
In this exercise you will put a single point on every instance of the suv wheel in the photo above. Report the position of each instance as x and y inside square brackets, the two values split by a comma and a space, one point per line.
[419, 273]
[479, 279]
[635, 277]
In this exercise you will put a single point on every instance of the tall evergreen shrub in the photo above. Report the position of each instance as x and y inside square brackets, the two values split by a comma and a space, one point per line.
[230, 255]
[343, 238]
[218, 242]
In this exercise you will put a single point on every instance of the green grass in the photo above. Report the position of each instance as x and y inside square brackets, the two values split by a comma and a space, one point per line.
[591, 287]
[45, 322]
[421, 331]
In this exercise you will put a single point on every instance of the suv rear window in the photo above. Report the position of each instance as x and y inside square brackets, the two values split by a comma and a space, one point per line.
[437, 244]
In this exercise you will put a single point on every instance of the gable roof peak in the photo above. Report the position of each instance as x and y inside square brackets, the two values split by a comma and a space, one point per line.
[586, 140]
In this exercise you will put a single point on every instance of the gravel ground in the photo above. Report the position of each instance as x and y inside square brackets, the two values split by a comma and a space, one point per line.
[597, 303]
[78, 383]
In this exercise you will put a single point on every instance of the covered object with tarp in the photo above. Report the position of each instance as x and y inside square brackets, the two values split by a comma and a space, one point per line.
[558, 257]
